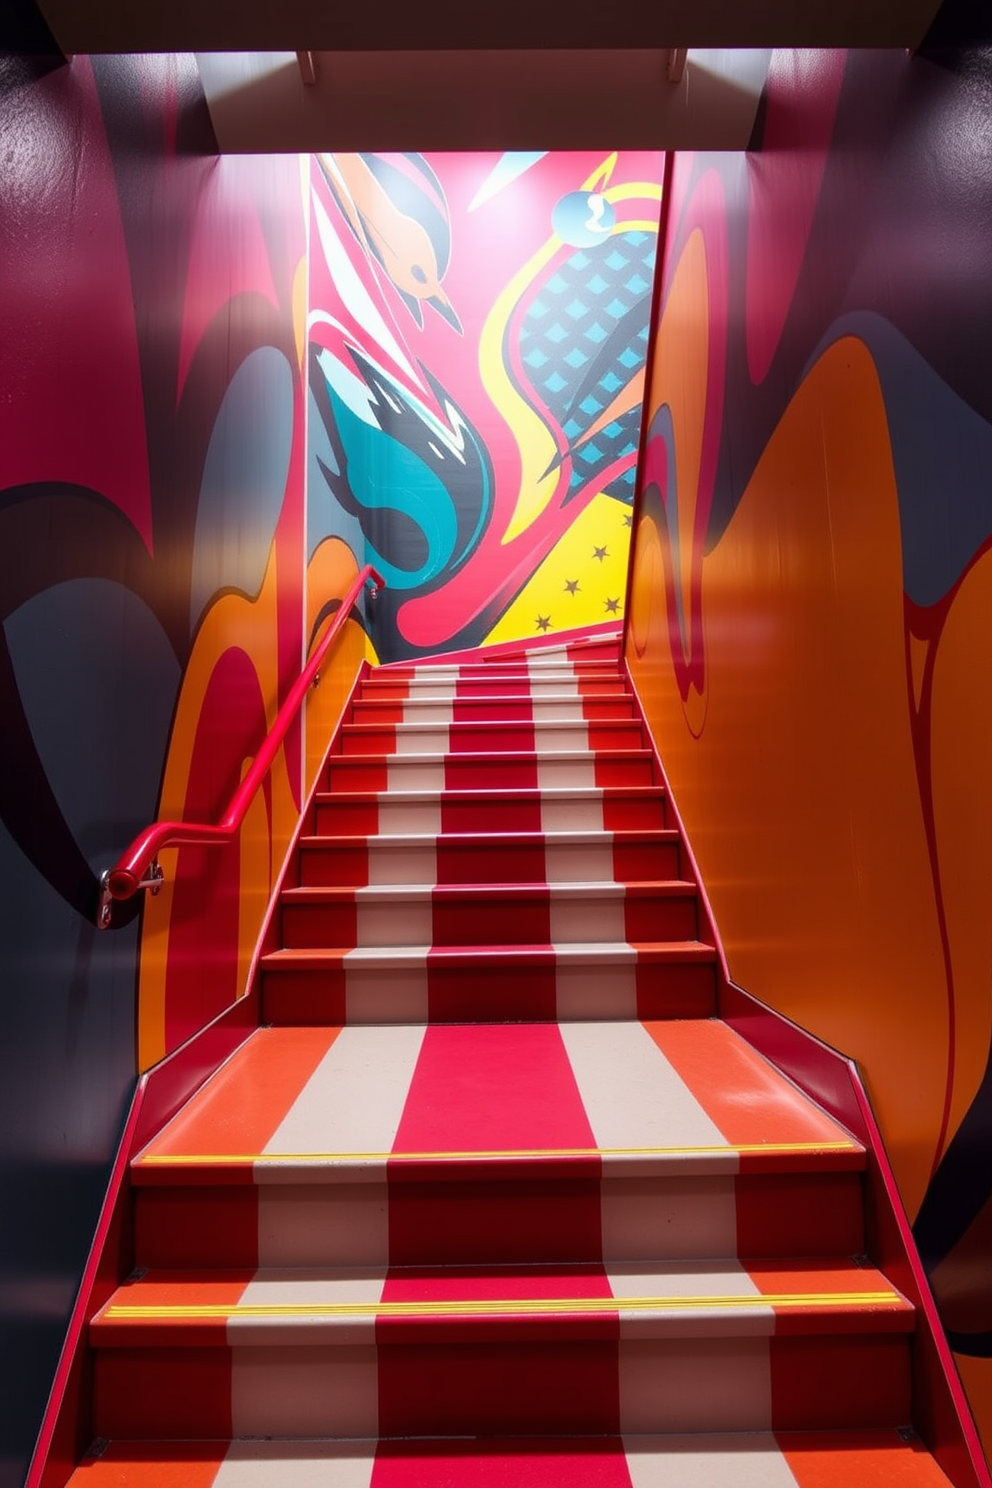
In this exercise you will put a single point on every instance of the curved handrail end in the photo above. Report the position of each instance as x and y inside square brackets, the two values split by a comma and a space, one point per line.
[138, 868]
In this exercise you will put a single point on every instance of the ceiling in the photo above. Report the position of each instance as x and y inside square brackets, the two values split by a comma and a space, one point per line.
[303, 75]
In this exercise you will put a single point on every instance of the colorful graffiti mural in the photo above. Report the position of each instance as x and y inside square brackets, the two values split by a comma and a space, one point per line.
[478, 336]
[151, 585]
[812, 597]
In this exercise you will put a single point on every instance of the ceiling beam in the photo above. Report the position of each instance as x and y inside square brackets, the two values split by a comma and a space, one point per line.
[451, 25]
[493, 100]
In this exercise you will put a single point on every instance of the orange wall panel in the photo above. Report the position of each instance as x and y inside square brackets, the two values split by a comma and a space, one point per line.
[811, 597]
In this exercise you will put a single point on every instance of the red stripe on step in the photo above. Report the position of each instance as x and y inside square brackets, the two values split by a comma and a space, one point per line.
[478, 737]
[392, 686]
[203, 1225]
[589, 1462]
[494, 1283]
[136, 1394]
[348, 818]
[869, 1459]
[490, 992]
[830, 1381]
[239, 1113]
[352, 773]
[520, 862]
[490, 772]
[386, 710]
[807, 1214]
[497, 1089]
[564, 1386]
[493, 1088]
[515, 813]
[611, 770]
[524, 919]
[500, 687]
[505, 707]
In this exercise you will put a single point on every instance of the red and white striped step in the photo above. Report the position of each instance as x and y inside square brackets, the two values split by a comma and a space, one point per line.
[419, 1201]
[497, 1202]
[501, 1144]
[743, 1460]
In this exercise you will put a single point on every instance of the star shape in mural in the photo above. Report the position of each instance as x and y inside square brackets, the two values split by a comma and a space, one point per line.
[543, 622]
[599, 553]
[571, 586]
[613, 606]
[628, 520]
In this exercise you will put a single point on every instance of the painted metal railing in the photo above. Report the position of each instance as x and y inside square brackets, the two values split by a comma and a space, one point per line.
[138, 867]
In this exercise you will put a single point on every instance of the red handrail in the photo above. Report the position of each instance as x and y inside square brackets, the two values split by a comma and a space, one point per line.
[128, 874]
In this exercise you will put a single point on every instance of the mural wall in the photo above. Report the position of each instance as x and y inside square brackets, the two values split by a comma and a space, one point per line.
[478, 334]
[812, 607]
[152, 299]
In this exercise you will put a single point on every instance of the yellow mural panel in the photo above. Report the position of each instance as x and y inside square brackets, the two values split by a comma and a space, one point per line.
[580, 583]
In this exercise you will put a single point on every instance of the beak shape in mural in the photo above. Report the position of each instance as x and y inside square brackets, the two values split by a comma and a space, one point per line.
[396, 209]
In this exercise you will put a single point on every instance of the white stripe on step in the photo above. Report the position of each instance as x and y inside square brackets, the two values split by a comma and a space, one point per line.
[381, 987]
[297, 1464]
[735, 1460]
[321, 1391]
[688, 1385]
[354, 1099]
[589, 987]
[632, 1095]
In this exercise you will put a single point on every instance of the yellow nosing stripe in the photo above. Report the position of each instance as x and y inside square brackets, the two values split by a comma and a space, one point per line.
[774, 1149]
[223, 1311]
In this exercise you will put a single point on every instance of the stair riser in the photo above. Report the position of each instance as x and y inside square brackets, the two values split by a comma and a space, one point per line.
[487, 737]
[526, 921]
[477, 773]
[440, 994]
[434, 707]
[589, 681]
[339, 816]
[546, 1220]
[585, 1382]
[486, 862]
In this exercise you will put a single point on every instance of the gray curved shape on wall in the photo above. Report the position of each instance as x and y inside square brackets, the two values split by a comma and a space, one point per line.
[98, 680]
[942, 453]
[326, 517]
[244, 481]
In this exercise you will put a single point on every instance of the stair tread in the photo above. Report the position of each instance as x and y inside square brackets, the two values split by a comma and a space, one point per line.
[508, 793]
[683, 1296]
[568, 837]
[699, 1099]
[455, 726]
[673, 888]
[474, 756]
[700, 1460]
[370, 699]
[594, 952]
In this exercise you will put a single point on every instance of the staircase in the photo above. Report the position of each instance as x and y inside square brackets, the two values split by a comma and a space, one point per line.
[494, 1198]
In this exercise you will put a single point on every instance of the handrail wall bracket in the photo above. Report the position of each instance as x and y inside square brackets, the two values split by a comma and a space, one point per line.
[153, 880]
